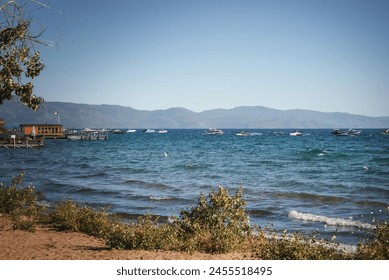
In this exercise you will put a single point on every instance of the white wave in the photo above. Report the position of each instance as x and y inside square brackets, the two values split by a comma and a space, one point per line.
[160, 198]
[329, 221]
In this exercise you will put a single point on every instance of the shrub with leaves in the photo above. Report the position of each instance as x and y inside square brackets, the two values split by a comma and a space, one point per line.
[218, 224]
[294, 247]
[21, 203]
[71, 216]
[377, 247]
[145, 234]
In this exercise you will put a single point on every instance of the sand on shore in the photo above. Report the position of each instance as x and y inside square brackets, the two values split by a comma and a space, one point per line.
[49, 244]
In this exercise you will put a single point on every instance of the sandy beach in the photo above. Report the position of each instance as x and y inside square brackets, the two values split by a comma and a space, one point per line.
[49, 244]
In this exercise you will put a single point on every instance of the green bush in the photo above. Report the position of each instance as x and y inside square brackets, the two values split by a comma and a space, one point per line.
[218, 224]
[377, 247]
[294, 247]
[20, 203]
[71, 216]
[146, 234]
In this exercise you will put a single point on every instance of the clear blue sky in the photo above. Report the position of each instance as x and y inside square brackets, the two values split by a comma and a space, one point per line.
[325, 55]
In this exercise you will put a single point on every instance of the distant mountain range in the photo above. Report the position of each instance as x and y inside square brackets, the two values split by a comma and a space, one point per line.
[73, 115]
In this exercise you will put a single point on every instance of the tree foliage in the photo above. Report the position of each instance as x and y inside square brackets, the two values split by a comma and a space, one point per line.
[20, 63]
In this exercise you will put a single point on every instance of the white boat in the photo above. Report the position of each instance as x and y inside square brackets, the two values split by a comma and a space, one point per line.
[74, 137]
[88, 130]
[353, 132]
[78, 136]
[131, 130]
[214, 131]
[296, 133]
[339, 132]
[102, 135]
[149, 130]
[93, 136]
[350, 132]
[386, 132]
[88, 135]
[243, 133]
[162, 131]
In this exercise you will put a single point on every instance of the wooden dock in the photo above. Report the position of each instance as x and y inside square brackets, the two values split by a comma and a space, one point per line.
[20, 143]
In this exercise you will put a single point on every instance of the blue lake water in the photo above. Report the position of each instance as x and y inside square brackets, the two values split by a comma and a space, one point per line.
[315, 183]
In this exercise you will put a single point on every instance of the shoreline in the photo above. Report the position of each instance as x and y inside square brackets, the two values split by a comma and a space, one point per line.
[46, 243]
[217, 229]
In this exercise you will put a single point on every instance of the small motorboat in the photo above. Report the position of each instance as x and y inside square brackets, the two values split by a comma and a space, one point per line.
[243, 133]
[339, 132]
[353, 132]
[214, 131]
[296, 133]
[350, 132]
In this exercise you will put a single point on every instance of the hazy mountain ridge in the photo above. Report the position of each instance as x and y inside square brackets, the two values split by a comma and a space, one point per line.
[74, 115]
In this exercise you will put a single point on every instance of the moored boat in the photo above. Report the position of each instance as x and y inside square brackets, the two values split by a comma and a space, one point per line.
[243, 133]
[214, 131]
[296, 133]
[339, 132]
[74, 137]
[88, 134]
[350, 132]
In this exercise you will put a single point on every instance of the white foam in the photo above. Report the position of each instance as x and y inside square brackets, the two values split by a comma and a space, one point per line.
[329, 221]
[160, 198]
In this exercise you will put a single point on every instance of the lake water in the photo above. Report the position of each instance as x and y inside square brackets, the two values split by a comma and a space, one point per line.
[319, 182]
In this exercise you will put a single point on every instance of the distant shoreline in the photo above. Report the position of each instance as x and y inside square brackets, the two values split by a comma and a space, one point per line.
[73, 115]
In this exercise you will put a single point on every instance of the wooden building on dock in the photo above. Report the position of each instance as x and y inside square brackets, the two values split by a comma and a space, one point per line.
[49, 131]
[14, 139]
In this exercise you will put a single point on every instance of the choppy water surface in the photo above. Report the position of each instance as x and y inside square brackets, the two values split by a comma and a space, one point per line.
[317, 182]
